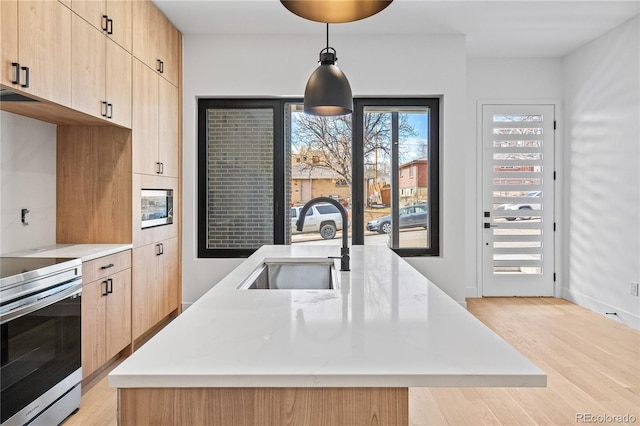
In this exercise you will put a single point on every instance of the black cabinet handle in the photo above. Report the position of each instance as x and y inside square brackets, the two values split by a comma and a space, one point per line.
[103, 110]
[110, 286]
[109, 110]
[161, 168]
[16, 65]
[26, 77]
[158, 167]
[159, 249]
[158, 65]
[109, 28]
[107, 266]
[106, 287]
[161, 67]
[105, 22]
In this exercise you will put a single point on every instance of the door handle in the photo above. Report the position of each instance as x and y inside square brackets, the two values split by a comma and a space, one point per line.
[26, 77]
[16, 65]
[489, 225]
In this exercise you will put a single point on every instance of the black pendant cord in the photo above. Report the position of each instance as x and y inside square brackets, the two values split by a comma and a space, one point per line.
[327, 36]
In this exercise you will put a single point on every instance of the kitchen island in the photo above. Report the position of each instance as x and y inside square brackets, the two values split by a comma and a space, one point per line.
[329, 357]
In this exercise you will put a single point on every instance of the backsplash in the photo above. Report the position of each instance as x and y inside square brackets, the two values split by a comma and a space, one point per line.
[27, 181]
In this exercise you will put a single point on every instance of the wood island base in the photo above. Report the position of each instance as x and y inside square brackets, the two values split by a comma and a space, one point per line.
[263, 406]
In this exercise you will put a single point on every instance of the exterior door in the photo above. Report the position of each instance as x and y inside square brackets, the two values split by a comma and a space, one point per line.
[518, 213]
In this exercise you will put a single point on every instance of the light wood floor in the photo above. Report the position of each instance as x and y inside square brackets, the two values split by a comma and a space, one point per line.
[592, 364]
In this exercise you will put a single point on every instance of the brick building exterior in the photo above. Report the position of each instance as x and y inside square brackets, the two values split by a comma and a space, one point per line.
[413, 181]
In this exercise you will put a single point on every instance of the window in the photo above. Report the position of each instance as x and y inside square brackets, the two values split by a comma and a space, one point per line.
[260, 160]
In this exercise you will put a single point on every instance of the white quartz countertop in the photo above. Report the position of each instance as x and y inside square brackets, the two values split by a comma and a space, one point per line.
[85, 252]
[385, 326]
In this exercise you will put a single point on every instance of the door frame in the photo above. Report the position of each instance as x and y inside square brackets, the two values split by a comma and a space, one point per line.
[561, 232]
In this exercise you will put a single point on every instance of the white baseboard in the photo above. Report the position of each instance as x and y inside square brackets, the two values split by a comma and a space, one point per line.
[463, 304]
[624, 317]
[185, 306]
[471, 292]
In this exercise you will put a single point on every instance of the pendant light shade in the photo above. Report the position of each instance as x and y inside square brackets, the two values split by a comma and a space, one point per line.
[335, 11]
[328, 91]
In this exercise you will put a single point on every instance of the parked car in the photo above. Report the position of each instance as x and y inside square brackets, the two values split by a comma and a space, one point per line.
[409, 217]
[525, 206]
[323, 218]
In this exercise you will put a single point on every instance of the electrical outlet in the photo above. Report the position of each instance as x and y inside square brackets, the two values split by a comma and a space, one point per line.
[633, 288]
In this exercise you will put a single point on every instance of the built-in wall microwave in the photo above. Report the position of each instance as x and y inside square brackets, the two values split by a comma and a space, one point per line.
[157, 207]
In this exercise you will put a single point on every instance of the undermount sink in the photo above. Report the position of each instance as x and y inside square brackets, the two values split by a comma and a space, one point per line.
[293, 274]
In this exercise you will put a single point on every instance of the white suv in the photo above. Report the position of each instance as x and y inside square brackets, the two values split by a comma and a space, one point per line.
[521, 207]
[323, 218]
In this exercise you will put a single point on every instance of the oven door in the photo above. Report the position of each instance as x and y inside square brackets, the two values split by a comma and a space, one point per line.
[40, 351]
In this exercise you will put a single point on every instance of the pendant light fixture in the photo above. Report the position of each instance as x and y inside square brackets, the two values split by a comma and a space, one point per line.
[335, 11]
[328, 91]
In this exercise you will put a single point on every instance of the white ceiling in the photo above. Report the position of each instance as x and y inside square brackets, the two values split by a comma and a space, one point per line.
[514, 28]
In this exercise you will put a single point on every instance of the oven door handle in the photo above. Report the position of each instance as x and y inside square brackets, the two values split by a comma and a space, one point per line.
[41, 300]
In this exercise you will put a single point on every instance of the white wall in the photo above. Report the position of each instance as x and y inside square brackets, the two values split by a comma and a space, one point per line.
[602, 96]
[222, 66]
[27, 180]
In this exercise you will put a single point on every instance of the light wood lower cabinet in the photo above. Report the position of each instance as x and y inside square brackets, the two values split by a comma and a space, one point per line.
[155, 284]
[106, 311]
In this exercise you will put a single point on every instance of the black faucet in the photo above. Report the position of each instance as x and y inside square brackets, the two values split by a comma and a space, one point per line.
[344, 252]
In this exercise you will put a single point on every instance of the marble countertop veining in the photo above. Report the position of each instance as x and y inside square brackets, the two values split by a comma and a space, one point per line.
[385, 326]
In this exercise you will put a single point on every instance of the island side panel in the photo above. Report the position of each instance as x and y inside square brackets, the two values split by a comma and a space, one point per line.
[264, 406]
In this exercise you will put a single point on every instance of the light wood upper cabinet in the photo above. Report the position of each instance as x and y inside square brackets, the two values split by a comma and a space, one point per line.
[88, 72]
[119, 84]
[101, 80]
[156, 41]
[155, 123]
[145, 119]
[36, 36]
[168, 132]
[9, 41]
[112, 17]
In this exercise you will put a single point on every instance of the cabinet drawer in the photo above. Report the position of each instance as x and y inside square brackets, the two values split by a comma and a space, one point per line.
[105, 266]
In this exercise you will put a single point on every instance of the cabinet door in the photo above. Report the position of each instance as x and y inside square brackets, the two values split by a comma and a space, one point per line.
[145, 32]
[9, 37]
[118, 82]
[169, 299]
[45, 23]
[168, 134]
[118, 315]
[88, 71]
[169, 50]
[120, 29]
[145, 119]
[93, 326]
[91, 11]
[146, 284]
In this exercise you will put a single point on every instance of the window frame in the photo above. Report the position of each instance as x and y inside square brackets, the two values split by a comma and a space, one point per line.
[277, 106]
[279, 164]
[433, 185]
